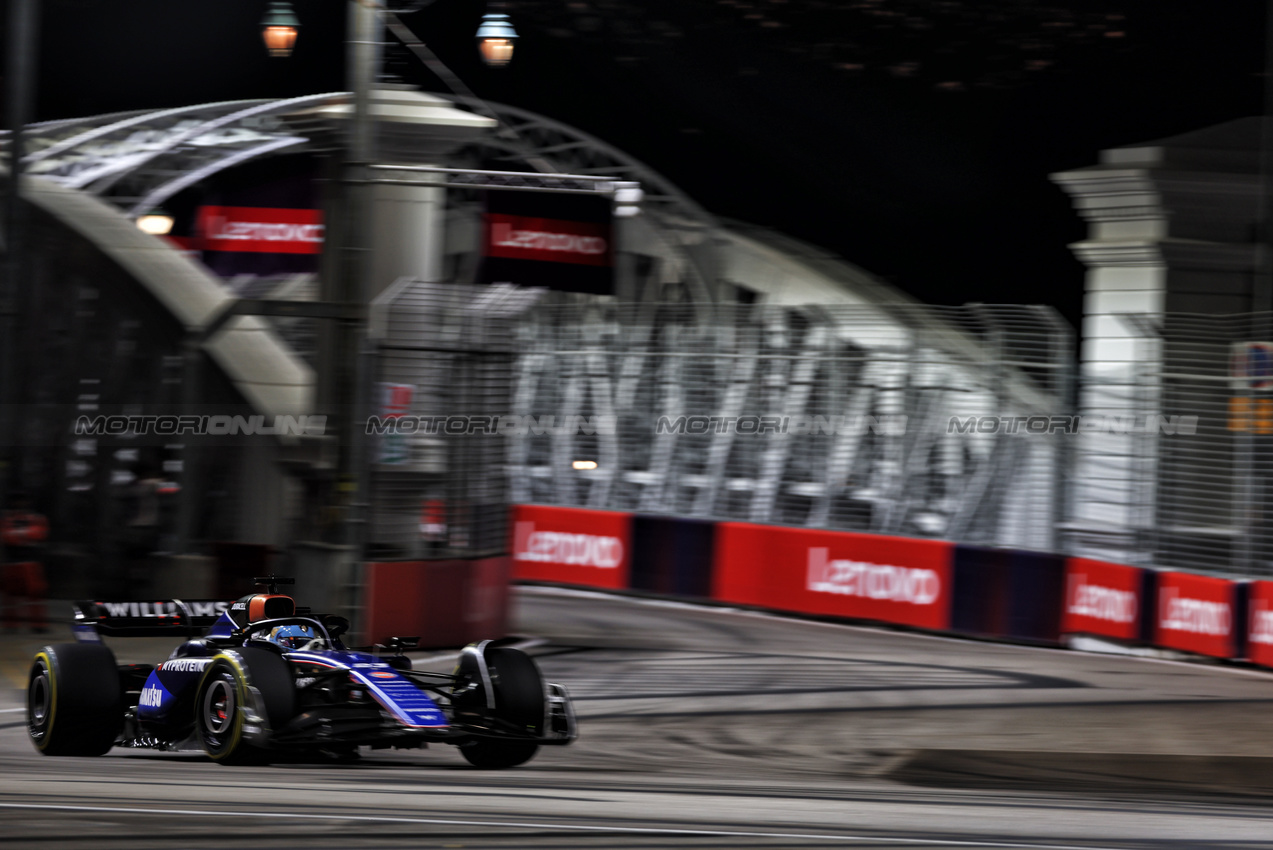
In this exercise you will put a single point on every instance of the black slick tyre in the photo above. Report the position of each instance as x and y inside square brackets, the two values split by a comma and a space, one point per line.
[74, 700]
[223, 694]
[519, 701]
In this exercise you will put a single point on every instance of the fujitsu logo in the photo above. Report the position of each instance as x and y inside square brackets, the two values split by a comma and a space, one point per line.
[873, 581]
[150, 697]
[558, 547]
[1101, 603]
[503, 235]
[1196, 616]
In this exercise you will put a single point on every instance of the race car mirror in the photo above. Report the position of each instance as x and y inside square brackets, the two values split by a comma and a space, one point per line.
[336, 625]
[398, 644]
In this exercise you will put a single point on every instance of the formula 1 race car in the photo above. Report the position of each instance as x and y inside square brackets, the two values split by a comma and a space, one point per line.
[268, 678]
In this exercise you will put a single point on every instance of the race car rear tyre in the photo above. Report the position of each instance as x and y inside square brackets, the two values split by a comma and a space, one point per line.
[75, 702]
[223, 694]
[519, 700]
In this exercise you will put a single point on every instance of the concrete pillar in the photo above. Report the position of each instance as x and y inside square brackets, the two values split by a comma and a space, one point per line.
[1171, 225]
[408, 222]
[408, 208]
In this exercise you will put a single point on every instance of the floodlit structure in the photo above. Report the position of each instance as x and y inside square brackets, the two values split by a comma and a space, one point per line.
[704, 319]
[1177, 255]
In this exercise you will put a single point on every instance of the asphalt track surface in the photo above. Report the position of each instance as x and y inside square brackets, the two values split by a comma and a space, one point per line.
[705, 728]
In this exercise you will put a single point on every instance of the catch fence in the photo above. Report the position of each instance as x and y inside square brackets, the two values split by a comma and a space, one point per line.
[892, 419]
[1182, 476]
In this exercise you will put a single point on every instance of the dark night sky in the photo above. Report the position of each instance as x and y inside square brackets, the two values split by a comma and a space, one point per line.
[913, 137]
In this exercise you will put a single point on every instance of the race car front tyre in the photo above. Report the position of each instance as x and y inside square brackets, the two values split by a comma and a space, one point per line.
[519, 701]
[223, 694]
[491, 754]
[74, 700]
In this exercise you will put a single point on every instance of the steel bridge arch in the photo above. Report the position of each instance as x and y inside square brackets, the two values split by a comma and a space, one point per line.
[136, 160]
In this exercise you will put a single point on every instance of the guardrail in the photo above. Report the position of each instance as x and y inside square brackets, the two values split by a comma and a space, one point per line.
[934, 585]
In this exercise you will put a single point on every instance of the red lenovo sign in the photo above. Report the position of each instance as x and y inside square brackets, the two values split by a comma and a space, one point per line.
[1259, 643]
[264, 230]
[1196, 614]
[1102, 599]
[571, 546]
[859, 576]
[552, 240]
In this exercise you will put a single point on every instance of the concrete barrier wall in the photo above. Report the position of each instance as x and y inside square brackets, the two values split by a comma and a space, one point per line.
[1003, 594]
[1107, 600]
[1259, 645]
[444, 603]
[830, 573]
[675, 556]
[1201, 614]
[572, 546]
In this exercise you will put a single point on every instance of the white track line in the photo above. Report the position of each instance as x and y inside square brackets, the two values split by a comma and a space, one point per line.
[636, 830]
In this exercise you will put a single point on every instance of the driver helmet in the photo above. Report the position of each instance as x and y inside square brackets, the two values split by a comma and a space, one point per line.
[291, 637]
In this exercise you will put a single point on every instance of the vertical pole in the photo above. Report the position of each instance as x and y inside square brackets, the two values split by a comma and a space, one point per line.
[365, 33]
[191, 389]
[1065, 389]
[1252, 448]
[19, 77]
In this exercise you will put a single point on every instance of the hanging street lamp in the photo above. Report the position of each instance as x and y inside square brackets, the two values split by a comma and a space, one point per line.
[495, 37]
[279, 28]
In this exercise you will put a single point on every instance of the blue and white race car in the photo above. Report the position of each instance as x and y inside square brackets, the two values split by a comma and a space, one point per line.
[267, 678]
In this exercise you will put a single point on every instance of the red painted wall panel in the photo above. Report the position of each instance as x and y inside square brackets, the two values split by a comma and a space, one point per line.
[572, 546]
[1103, 599]
[1196, 614]
[445, 603]
[1259, 648]
[858, 576]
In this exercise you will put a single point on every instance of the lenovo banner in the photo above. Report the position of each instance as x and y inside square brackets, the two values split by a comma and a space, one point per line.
[261, 230]
[842, 574]
[1197, 614]
[1103, 599]
[571, 546]
[1259, 645]
[259, 219]
[560, 242]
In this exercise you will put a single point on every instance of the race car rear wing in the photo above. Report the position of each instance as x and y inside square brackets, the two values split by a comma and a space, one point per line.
[173, 617]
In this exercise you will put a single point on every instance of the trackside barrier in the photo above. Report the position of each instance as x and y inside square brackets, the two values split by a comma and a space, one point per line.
[1036, 596]
[672, 556]
[929, 584]
[572, 546]
[1201, 614]
[980, 599]
[1260, 623]
[444, 603]
[1009, 594]
[1108, 600]
[841, 574]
